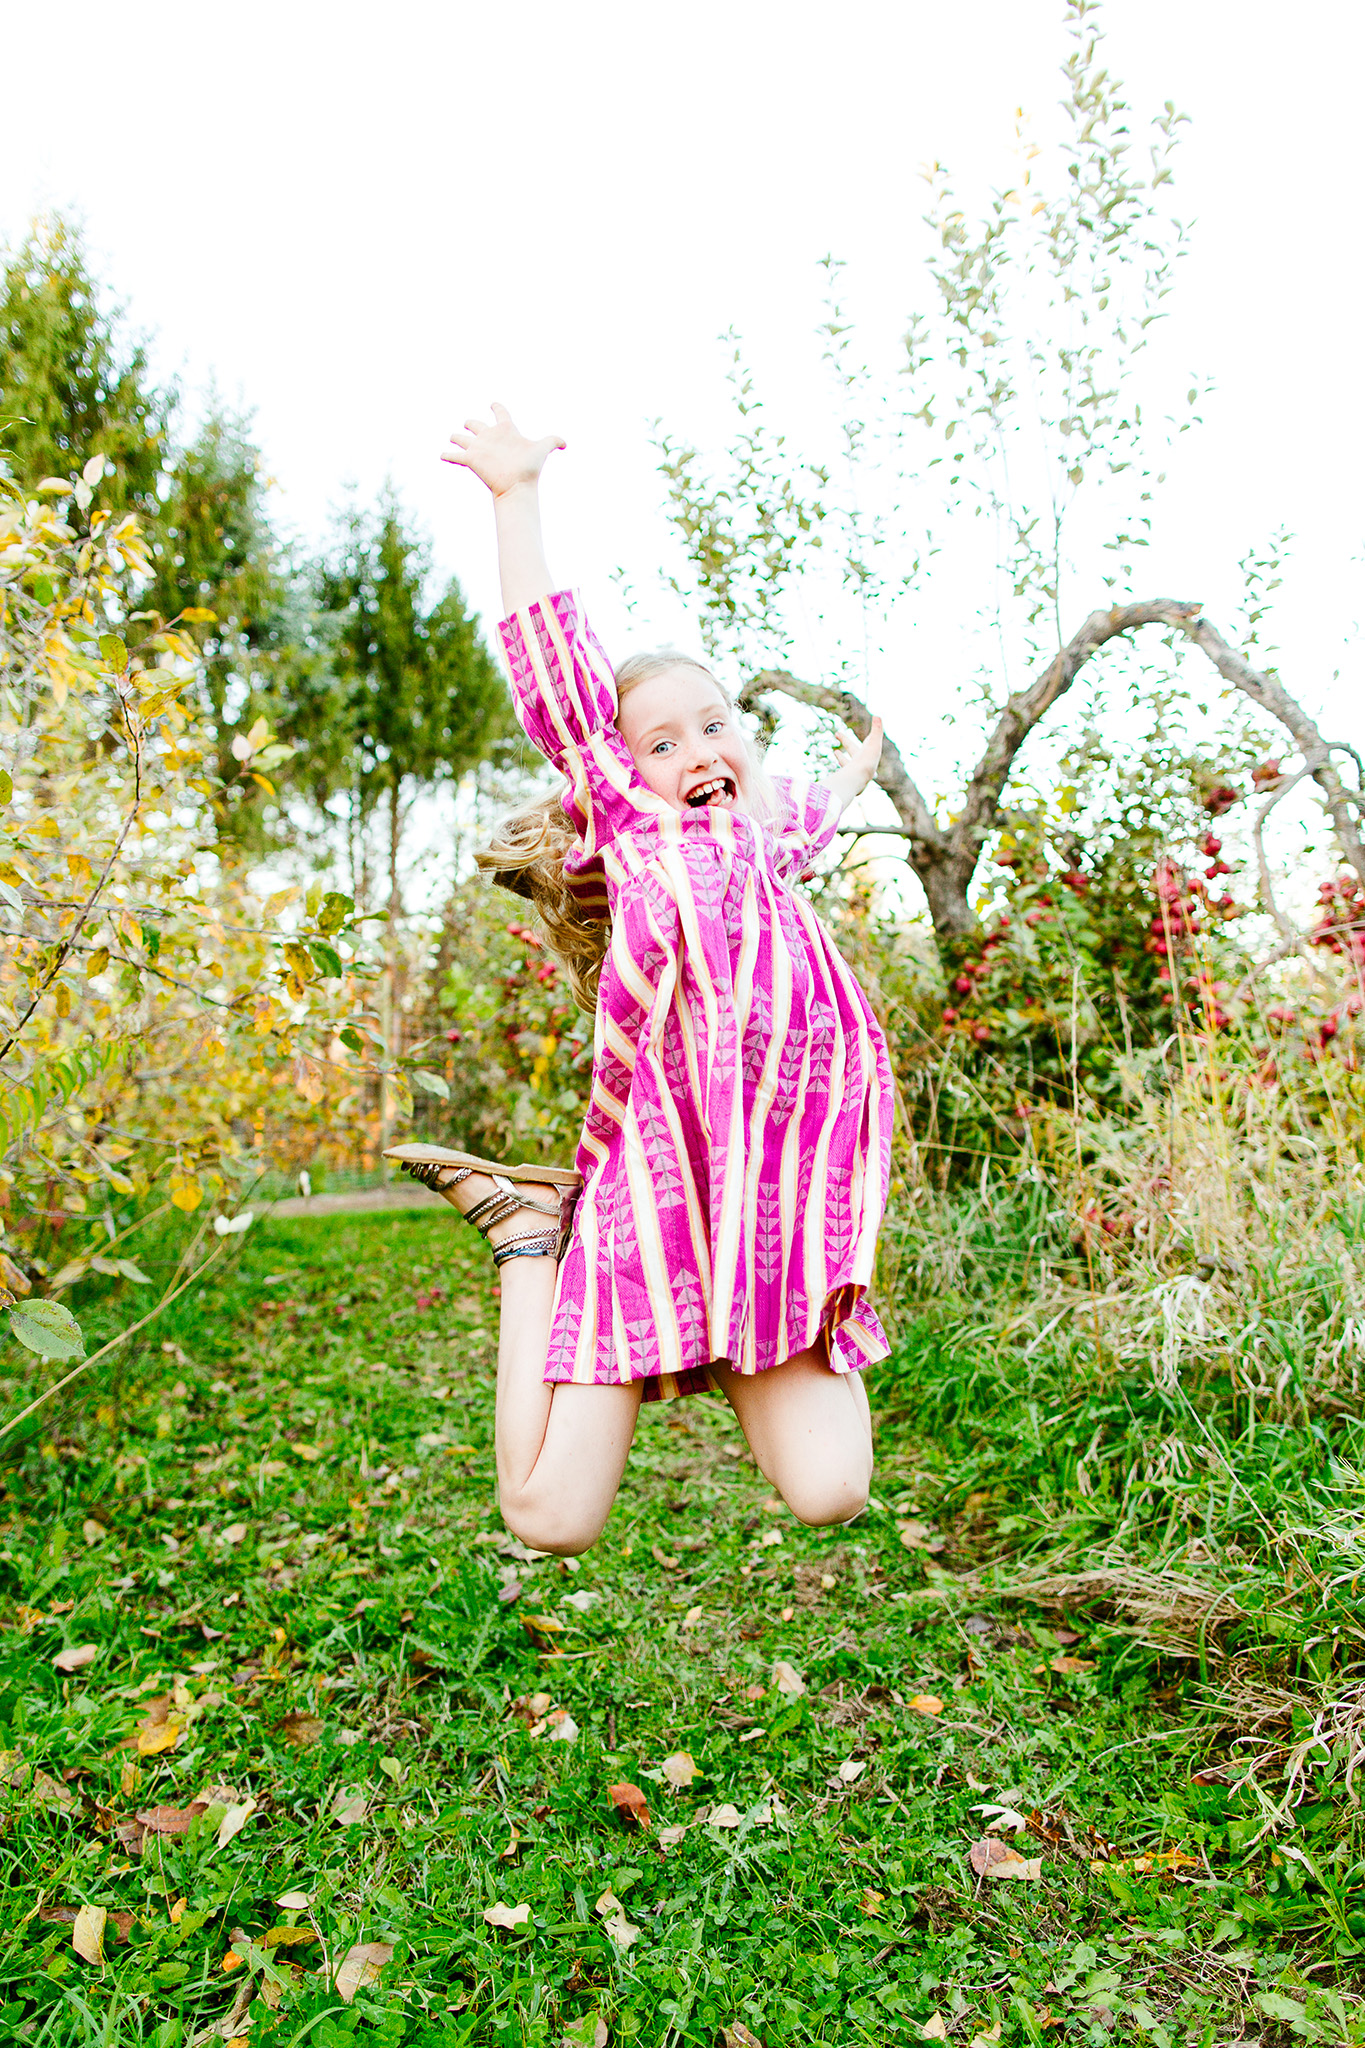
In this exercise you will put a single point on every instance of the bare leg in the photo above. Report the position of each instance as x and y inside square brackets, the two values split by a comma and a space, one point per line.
[810, 1430]
[561, 1450]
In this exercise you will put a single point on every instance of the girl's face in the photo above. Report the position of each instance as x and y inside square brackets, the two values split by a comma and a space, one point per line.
[684, 740]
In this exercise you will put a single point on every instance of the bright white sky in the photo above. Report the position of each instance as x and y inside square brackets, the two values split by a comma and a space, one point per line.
[364, 225]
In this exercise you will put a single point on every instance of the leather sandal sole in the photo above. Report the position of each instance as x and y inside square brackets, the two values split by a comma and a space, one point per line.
[439, 1155]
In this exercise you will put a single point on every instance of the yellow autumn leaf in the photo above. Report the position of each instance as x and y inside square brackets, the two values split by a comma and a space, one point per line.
[87, 1935]
[186, 1191]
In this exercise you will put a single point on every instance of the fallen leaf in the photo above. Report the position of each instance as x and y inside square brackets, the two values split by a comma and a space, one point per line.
[361, 1965]
[915, 1535]
[737, 2035]
[171, 1820]
[178, 1911]
[562, 1726]
[871, 1903]
[1071, 1667]
[294, 1902]
[788, 1679]
[77, 1657]
[509, 1854]
[679, 1770]
[289, 1937]
[670, 1837]
[724, 1817]
[588, 2032]
[51, 1792]
[933, 2028]
[986, 2038]
[308, 1452]
[542, 1625]
[233, 1534]
[300, 1731]
[614, 1920]
[851, 1771]
[630, 1803]
[350, 1808]
[692, 1617]
[153, 1737]
[87, 1934]
[506, 1916]
[769, 1538]
[990, 1857]
[924, 1703]
[1173, 1860]
[234, 1820]
[583, 1601]
[1002, 1817]
[93, 1531]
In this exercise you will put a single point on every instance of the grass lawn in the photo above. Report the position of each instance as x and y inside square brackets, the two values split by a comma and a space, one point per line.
[325, 1708]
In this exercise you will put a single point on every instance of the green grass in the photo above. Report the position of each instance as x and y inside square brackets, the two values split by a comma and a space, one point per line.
[279, 1520]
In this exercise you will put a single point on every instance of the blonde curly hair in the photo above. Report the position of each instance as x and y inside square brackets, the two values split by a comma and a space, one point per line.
[528, 849]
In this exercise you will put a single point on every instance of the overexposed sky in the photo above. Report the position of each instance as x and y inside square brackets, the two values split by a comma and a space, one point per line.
[365, 223]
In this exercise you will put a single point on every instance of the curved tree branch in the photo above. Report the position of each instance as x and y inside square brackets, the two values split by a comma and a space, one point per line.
[1317, 752]
[945, 861]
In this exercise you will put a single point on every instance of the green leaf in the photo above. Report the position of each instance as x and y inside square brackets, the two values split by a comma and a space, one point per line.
[352, 1040]
[1276, 2007]
[327, 958]
[114, 651]
[47, 1328]
[336, 908]
[433, 1084]
[131, 1270]
[6, 785]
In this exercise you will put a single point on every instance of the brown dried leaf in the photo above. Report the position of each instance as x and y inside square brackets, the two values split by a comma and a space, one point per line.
[990, 1857]
[680, 1770]
[171, 1820]
[1071, 1667]
[724, 1817]
[737, 2035]
[788, 1679]
[300, 1731]
[361, 1965]
[630, 1803]
[349, 1807]
[933, 2028]
[925, 1703]
[77, 1657]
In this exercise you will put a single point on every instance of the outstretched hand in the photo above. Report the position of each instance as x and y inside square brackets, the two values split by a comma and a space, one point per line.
[499, 454]
[858, 762]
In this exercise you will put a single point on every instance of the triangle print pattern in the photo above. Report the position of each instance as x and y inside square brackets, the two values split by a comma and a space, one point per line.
[681, 1144]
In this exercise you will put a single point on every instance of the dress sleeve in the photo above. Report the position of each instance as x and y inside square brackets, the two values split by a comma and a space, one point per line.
[565, 697]
[805, 826]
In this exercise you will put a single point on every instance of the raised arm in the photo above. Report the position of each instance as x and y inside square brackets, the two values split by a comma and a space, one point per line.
[509, 464]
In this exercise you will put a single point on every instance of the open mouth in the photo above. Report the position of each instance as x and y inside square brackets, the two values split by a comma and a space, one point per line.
[719, 790]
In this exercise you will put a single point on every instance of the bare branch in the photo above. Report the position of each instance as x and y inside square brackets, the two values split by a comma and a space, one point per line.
[976, 819]
[892, 774]
[1317, 752]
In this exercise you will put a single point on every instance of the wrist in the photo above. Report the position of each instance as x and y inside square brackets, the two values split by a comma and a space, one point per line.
[526, 489]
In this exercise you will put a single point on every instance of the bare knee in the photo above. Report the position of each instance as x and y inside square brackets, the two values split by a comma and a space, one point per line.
[825, 1500]
[560, 1531]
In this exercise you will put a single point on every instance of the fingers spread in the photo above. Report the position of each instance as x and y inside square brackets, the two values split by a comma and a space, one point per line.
[476, 426]
[501, 414]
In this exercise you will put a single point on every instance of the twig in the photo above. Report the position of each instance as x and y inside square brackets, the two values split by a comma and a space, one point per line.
[113, 1343]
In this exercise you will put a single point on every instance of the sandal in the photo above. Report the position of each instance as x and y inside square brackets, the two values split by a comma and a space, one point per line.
[441, 1170]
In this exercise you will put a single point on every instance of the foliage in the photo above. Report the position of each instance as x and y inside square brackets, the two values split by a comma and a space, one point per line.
[155, 1015]
[72, 386]
[286, 1547]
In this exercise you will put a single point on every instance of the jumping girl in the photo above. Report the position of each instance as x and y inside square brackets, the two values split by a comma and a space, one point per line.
[720, 1227]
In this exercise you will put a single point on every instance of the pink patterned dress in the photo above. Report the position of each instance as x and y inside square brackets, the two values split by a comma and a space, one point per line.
[737, 1147]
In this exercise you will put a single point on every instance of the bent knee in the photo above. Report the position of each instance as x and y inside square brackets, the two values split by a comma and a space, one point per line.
[563, 1535]
[829, 1501]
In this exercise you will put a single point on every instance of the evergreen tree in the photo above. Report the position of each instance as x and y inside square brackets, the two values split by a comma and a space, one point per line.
[414, 697]
[72, 384]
